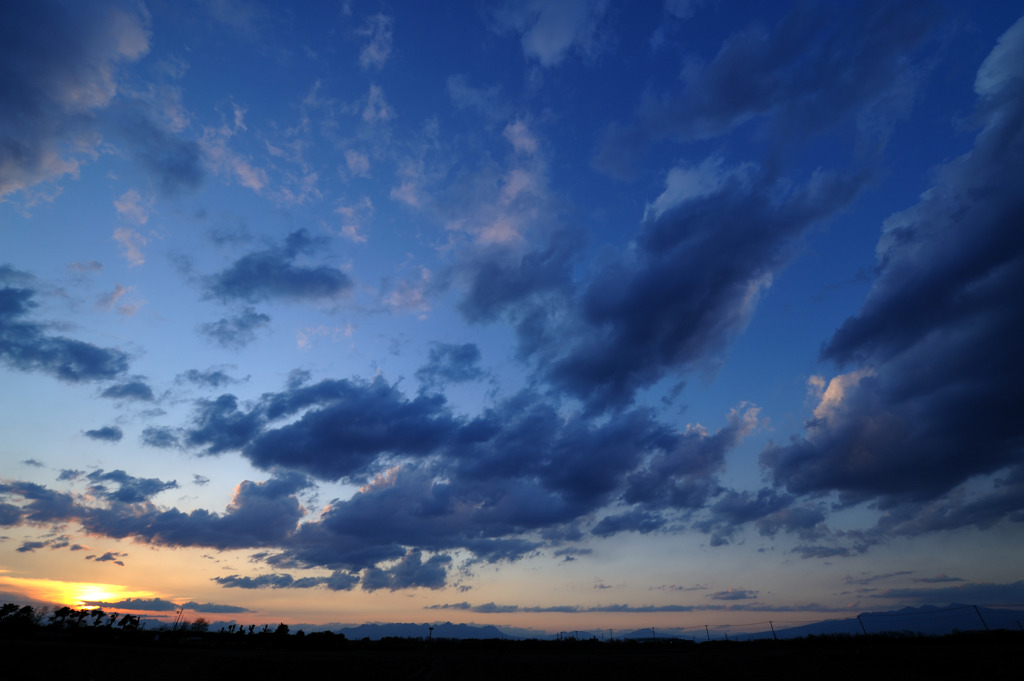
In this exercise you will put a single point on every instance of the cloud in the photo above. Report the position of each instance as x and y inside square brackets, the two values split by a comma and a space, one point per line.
[131, 244]
[933, 366]
[145, 604]
[274, 581]
[273, 273]
[75, 51]
[211, 378]
[10, 515]
[223, 160]
[449, 363]
[235, 332]
[173, 163]
[212, 607]
[108, 300]
[409, 572]
[485, 101]
[684, 474]
[130, 490]
[550, 31]
[689, 284]
[26, 346]
[133, 208]
[375, 53]
[500, 283]
[260, 514]
[355, 423]
[161, 605]
[632, 521]
[733, 595]
[357, 162]
[376, 109]
[220, 426]
[107, 434]
[861, 63]
[160, 437]
[521, 138]
[109, 557]
[129, 390]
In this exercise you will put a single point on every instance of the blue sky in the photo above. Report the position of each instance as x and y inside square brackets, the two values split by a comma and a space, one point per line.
[579, 314]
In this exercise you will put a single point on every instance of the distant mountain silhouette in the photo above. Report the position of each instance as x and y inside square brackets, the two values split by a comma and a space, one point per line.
[927, 620]
[375, 632]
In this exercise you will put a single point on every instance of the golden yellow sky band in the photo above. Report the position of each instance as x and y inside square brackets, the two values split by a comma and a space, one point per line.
[71, 594]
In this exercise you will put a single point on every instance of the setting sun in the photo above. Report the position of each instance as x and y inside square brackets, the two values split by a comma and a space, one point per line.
[72, 594]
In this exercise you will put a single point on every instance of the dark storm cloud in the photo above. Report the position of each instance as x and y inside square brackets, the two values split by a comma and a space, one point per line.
[161, 605]
[276, 581]
[237, 331]
[683, 476]
[356, 423]
[44, 505]
[273, 273]
[9, 515]
[30, 546]
[497, 284]
[147, 604]
[691, 284]
[817, 66]
[58, 67]
[444, 484]
[212, 607]
[449, 363]
[130, 490]
[130, 390]
[410, 572]
[518, 468]
[27, 346]
[937, 378]
[337, 581]
[220, 426]
[518, 478]
[261, 514]
[631, 521]
[107, 433]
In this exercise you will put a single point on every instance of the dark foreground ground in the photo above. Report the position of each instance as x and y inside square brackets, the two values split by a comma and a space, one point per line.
[994, 655]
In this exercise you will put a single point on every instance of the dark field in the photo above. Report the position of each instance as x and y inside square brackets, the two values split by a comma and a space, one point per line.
[995, 655]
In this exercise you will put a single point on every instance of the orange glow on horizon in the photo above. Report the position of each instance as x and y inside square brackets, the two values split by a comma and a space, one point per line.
[72, 594]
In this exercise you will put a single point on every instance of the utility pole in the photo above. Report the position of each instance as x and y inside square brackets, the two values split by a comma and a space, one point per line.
[862, 625]
[707, 632]
[773, 630]
[981, 618]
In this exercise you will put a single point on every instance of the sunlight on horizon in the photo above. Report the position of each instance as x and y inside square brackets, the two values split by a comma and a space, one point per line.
[71, 594]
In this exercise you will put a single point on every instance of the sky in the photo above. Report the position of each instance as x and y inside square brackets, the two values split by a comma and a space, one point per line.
[548, 315]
